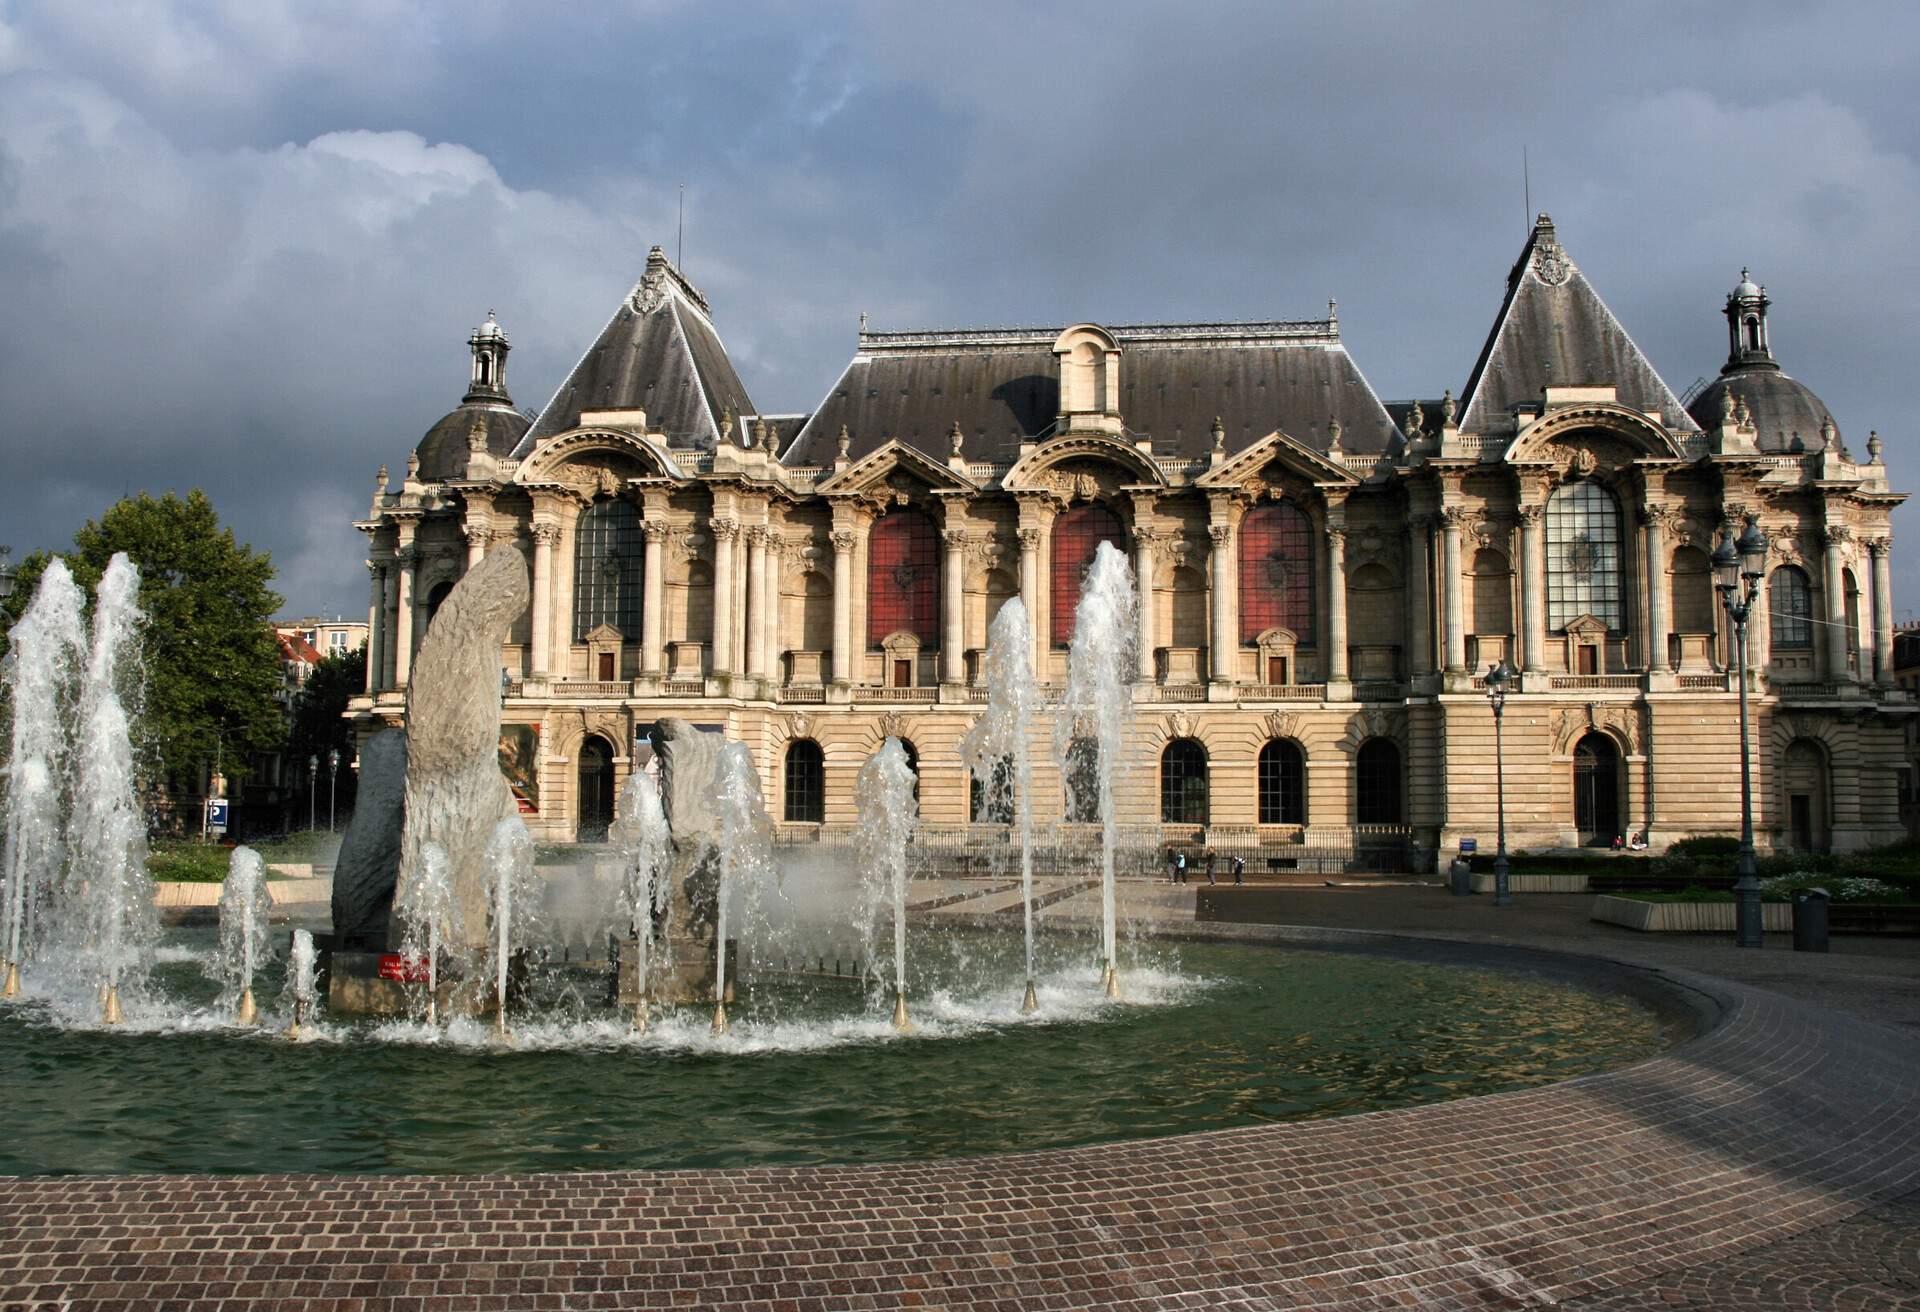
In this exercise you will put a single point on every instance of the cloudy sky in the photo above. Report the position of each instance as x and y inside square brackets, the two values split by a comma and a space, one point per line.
[242, 243]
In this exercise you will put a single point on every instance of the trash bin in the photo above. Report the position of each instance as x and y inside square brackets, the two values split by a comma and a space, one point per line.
[1810, 920]
[1460, 877]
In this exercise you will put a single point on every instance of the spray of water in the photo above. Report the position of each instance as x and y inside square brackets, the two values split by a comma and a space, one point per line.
[516, 905]
[884, 794]
[645, 843]
[243, 932]
[302, 981]
[996, 748]
[426, 909]
[42, 664]
[1099, 697]
[745, 855]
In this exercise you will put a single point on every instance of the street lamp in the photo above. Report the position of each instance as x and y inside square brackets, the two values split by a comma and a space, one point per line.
[333, 783]
[1498, 677]
[313, 777]
[1737, 570]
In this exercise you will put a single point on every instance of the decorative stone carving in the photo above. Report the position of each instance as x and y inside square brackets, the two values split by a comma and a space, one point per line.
[725, 530]
[844, 541]
[1416, 423]
[655, 530]
[1284, 724]
[1030, 539]
[546, 531]
[1550, 263]
[380, 481]
[843, 444]
[1448, 408]
[1219, 436]
[1179, 725]
[956, 438]
[651, 294]
[477, 438]
[893, 725]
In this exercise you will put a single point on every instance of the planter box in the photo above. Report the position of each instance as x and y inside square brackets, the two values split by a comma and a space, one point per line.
[1534, 883]
[1686, 917]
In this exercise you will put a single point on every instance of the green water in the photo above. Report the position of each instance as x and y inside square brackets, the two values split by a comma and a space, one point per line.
[1211, 1036]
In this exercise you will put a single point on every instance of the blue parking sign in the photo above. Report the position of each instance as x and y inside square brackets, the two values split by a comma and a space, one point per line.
[217, 813]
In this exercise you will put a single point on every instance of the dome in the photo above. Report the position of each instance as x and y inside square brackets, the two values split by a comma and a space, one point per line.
[489, 331]
[1747, 290]
[1781, 406]
[443, 451]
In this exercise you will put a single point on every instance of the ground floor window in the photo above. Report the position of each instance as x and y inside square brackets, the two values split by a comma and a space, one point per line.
[806, 800]
[1283, 784]
[1183, 783]
[1377, 784]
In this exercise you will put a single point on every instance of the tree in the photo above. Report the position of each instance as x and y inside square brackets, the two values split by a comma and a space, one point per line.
[212, 665]
[319, 716]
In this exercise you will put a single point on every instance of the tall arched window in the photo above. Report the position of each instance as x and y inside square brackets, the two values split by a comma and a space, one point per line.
[903, 579]
[806, 780]
[1082, 781]
[1790, 607]
[1583, 556]
[1183, 783]
[1693, 605]
[1376, 791]
[1283, 783]
[1276, 572]
[1077, 535]
[609, 569]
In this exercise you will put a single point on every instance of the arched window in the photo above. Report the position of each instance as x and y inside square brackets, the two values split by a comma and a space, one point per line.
[1790, 607]
[1283, 783]
[806, 791]
[1492, 594]
[992, 804]
[1376, 771]
[903, 579]
[1276, 572]
[1753, 334]
[1183, 783]
[1077, 535]
[609, 569]
[1082, 781]
[596, 788]
[1692, 591]
[1583, 556]
[435, 598]
[1850, 611]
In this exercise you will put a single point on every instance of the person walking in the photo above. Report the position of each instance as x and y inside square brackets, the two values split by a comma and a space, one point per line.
[1239, 868]
[1180, 868]
[1173, 866]
[1212, 856]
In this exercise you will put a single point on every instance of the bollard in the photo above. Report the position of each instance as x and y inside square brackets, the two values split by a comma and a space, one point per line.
[1459, 877]
[1810, 919]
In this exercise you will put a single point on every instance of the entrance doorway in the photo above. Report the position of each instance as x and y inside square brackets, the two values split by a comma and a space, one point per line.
[596, 789]
[1596, 790]
[1804, 774]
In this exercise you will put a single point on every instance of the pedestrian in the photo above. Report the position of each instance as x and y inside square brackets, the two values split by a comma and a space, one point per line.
[1212, 856]
[1173, 866]
[1239, 868]
[1180, 868]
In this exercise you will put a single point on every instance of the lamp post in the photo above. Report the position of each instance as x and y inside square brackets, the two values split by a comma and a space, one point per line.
[1498, 676]
[1737, 570]
[313, 778]
[333, 783]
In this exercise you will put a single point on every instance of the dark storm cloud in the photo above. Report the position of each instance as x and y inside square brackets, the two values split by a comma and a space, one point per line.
[243, 243]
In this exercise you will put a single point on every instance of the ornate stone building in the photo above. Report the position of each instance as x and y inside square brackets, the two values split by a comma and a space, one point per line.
[1329, 576]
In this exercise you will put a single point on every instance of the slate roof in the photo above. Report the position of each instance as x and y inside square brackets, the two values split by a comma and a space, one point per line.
[1555, 330]
[1783, 407]
[659, 353]
[1002, 386]
[443, 451]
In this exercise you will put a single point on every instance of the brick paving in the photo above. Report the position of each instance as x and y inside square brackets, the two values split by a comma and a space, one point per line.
[1770, 1162]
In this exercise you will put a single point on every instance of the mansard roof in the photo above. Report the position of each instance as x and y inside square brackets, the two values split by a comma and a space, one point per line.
[658, 353]
[1555, 331]
[1002, 387]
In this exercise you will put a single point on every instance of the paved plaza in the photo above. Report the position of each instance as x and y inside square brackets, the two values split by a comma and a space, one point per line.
[1770, 1162]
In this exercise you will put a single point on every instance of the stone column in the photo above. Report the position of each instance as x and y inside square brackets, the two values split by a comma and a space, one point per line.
[1455, 602]
[1659, 604]
[1223, 643]
[1836, 598]
[1145, 539]
[1533, 588]
[1030, 592]
[953, 600]
[844, 541]
[376, 597]
[545, 534]
[1419, 596]
[409, 558]
[1759, 627]
[770, 605]
[479, 536]
[391, 609]
[742, 577]
[756, 601]
[1337, 602]
[1881, 550]
[653, 602]
[726, 533]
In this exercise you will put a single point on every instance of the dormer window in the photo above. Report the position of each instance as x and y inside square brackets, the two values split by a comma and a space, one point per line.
[1089, 363]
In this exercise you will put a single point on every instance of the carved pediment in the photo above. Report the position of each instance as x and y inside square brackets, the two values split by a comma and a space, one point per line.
[1582, 440]
[1058, 466]
[597, 462]
[893, 473]
[1586, 626]
[605, 635]
[1277, 465]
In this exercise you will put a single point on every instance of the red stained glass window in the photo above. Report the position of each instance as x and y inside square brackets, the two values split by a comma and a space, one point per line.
[903, 579]
[1276, 572]
[1077, 535]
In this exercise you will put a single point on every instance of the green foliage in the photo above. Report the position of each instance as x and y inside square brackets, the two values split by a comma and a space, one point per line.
[212, 665]
[319, 717]
[178, 861]
[1706, 845]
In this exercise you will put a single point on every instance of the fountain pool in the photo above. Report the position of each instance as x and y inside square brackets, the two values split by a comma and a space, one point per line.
[1208, 1036]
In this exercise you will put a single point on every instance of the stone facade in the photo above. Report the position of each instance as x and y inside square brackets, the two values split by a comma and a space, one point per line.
[1331, 576]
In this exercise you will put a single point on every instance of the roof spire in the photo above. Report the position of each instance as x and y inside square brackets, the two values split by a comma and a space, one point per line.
[1746, 311]
[488, 384]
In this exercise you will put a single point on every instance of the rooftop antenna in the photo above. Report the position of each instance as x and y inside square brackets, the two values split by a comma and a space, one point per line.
[1526, 184]
[680, 243]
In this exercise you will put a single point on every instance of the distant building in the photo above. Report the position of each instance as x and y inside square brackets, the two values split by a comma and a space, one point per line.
[1327, 576]
[327, 637]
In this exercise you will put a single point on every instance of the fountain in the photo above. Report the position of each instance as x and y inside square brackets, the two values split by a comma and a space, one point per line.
[301, 984]
[243, 931]
[38, 675]
[884, 793]
[743, 858]
[1099, 695]
[639, 832]
[425, 909]
[996, 748]
[516, 905]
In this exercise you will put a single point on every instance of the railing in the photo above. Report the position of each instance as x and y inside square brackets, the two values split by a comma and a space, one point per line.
[803, 693]
[1283, 692]
[1379, 691]
[895, 694]
[1596, 682]
[683, 688]
[516, 689]
[1177, 692]
[1701, 682]
[1815, 689]
[589, 688]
